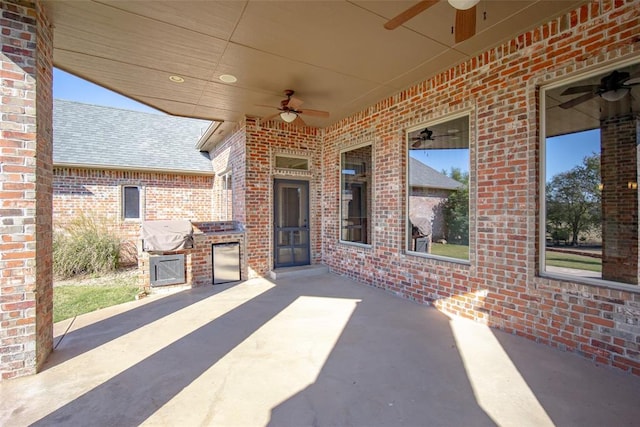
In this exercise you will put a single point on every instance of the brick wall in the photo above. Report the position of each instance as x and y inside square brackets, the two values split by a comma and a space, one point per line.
[431, 200]
[26, 291]
[620, 202]
[98, 192]
[499, 286]
[263, 141]
[230, 156]
[249, 152]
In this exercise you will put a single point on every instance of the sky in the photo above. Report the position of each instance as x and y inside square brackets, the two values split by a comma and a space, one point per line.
[563, 152]
[71, 88]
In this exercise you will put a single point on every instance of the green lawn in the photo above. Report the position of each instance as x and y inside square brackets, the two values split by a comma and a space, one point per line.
[69, 301]
[450, 250]
[559, 259]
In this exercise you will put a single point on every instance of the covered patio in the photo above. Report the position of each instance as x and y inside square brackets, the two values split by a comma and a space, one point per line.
[325, 348]
[317, 350]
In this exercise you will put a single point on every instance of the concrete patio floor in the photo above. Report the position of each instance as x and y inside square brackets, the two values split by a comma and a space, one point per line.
[310, 351]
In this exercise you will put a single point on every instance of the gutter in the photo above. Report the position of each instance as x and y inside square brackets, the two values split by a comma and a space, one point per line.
[131, 168]
[207, 134]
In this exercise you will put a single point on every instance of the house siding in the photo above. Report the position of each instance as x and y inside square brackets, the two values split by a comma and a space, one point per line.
[500, 285]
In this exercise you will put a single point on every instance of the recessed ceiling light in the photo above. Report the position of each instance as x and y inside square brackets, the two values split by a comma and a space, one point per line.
[176, 79]
[228, 78]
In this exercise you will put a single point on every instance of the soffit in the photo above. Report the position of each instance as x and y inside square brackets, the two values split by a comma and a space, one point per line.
[336, 55]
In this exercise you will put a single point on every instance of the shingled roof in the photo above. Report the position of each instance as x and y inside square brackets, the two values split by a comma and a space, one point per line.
[422, 175]
[112, 138]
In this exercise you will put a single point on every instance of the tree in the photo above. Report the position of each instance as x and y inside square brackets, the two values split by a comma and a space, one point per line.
[456, 210]
[573, 200]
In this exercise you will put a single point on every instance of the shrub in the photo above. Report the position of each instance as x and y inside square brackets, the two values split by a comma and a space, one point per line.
[85, 246]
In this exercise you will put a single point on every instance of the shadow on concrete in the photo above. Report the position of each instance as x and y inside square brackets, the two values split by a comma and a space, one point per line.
[573, 390]
[387, 362]
[395, 363]
[83, 339]
[139, 391]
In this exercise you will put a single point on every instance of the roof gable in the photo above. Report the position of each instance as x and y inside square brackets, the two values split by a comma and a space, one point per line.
[96, 136]
[422, 175]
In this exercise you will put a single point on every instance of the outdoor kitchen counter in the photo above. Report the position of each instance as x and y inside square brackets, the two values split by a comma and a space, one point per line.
[198, 260]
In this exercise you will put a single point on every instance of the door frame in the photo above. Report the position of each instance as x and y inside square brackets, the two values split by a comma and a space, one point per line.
[276, 200]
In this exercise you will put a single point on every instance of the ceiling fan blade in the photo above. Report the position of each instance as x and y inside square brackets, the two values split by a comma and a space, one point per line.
[580, 89]
[579, 100]
[422, 145]
[295, 103]
[465, 26]
[266, 106]
[315, 113]
[630, 79]
[269, 117]
[299, 122]
[417, 8]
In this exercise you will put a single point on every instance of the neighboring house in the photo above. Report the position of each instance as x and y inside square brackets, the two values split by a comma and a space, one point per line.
[124, 167]
[428, 189]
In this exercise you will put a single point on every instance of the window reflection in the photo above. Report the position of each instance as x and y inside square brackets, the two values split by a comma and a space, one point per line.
[355, 196]
[590, 220]
[438, 210]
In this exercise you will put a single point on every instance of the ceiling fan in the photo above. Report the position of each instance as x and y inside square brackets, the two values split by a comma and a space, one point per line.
[421, 140]
[290, 110]
[465, 24]
[613, 87]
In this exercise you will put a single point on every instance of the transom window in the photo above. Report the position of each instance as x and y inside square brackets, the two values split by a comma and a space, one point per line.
[438, 189]
[355, 195]
[589, 188]
[292, 162]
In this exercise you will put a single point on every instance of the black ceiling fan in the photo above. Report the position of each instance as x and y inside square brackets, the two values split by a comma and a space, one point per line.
[426, 134]
[613, 87]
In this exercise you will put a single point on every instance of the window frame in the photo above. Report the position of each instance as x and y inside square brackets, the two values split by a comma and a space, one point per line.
[123, 202]
[542, 175]
[369, 203]
[408, 231]
[306, 159]
[226, 194]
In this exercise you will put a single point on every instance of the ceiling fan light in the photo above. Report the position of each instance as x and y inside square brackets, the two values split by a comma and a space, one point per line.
[463, 4]
[288, 116]
[614, 95]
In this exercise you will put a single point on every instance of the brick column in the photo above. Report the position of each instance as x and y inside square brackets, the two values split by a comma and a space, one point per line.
[619, 199]
[26, 291]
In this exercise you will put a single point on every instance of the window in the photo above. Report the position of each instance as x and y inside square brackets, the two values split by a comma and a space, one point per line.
[226, 199]
[589, 188]
[226, 181]
[289, 162]
[438, 189]
[355, 195]
[131, 202]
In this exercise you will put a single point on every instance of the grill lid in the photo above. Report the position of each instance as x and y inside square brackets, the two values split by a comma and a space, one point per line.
[166, 235]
